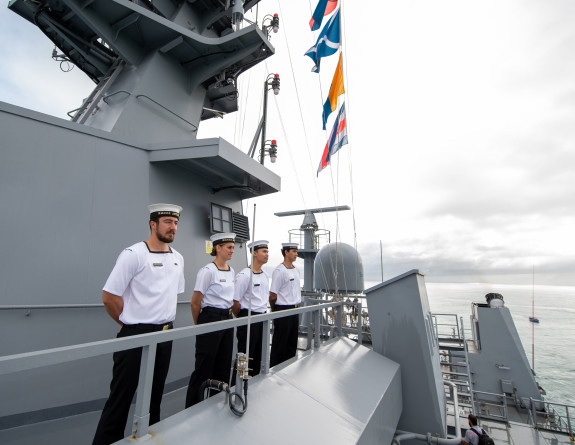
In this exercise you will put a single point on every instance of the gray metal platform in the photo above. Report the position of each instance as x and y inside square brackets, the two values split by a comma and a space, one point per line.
[342, 393]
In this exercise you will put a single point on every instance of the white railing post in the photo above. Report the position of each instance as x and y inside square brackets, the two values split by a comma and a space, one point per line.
[265, 366]
[339, 319]
[142, 414]
[568, 421]
[359, 323]
[316, 328]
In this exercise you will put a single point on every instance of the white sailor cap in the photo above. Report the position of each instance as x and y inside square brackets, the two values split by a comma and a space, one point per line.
[221, 238]
[261, 244]
[290, 245]
[162, 209]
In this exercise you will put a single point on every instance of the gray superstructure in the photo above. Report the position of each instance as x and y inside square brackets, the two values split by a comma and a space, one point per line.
[79, 189]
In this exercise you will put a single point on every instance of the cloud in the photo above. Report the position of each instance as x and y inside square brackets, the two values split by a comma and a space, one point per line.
[30, 77]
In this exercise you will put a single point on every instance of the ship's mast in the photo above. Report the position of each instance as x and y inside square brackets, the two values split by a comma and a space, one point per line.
[160, 67]
[533, 321]
[310, 249]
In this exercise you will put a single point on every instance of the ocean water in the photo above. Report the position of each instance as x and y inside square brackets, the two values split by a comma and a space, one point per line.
[554, 335]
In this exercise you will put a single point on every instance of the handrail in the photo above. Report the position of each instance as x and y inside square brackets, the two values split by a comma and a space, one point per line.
[107, 96]
[471, 397]
[29, 360]
[11, 307]
[503, 402]
[358, 329]
[148, 342]
[69, 113]
[564, 420]
[168, 110]
[428, 437]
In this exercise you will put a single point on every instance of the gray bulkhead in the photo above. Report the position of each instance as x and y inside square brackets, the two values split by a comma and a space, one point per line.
[499, 364]
[402, 330]
[77, 196]
[75, 193]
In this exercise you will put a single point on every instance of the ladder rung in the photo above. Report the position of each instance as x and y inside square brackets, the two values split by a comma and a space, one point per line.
[462, 364]
[450, 340]
[459, 382]
[452, 348]
[464, 374]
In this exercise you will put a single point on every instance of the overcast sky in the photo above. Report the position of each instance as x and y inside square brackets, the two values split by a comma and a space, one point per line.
[461, 115]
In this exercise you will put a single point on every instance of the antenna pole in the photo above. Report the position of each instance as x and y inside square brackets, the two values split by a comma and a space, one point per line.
[250, 292]
[381, 259]
[533, 322]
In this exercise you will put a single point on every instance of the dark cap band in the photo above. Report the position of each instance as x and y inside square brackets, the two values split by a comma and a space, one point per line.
[164, 213]
[223, 241]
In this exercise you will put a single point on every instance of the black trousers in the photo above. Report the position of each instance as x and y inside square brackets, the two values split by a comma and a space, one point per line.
[284, 340]
[213, 354]
[125, 376]
[255, 342]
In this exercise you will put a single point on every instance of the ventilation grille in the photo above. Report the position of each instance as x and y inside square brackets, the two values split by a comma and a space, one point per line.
[241, 227]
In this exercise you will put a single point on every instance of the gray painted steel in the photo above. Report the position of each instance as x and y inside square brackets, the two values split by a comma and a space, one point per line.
[80, 193]
[500, 365]
[343, 393]
[338, 268]
[158, 71]
[401, 329]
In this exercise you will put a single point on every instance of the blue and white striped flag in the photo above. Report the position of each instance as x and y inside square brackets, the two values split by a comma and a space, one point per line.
[327, 43]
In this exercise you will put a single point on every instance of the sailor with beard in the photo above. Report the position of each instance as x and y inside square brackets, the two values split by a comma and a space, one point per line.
[141, 296]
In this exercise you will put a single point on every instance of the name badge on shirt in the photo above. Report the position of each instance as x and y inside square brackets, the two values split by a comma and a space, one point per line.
[256, 285]
[291, 279]
[222, 280]
[158, 265]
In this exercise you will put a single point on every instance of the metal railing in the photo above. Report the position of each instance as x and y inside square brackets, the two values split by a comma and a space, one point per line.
[321, 238]
[404, 435]
[552, 416]
[489, 409]
[148, 342]
[30, 307]
[195, 127]
[445, 327]
[450, 332]
[334, 320]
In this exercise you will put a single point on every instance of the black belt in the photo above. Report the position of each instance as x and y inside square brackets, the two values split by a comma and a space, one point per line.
[287, 306]
[217, 310]
[245, 311]
[151, 326]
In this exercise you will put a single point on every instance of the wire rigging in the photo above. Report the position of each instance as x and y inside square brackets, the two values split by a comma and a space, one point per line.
[350, 153]
[299, 104]
[336, 170]
[314, 181]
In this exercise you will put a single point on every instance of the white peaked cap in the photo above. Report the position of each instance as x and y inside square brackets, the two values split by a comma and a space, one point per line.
[163, 209]
[221, 238]
[290, 245]
[259, 244]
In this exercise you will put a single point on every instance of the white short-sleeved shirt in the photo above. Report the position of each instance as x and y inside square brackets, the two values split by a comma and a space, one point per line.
[148, 282]
[217, 286]
[260, 290]
[286, 285]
